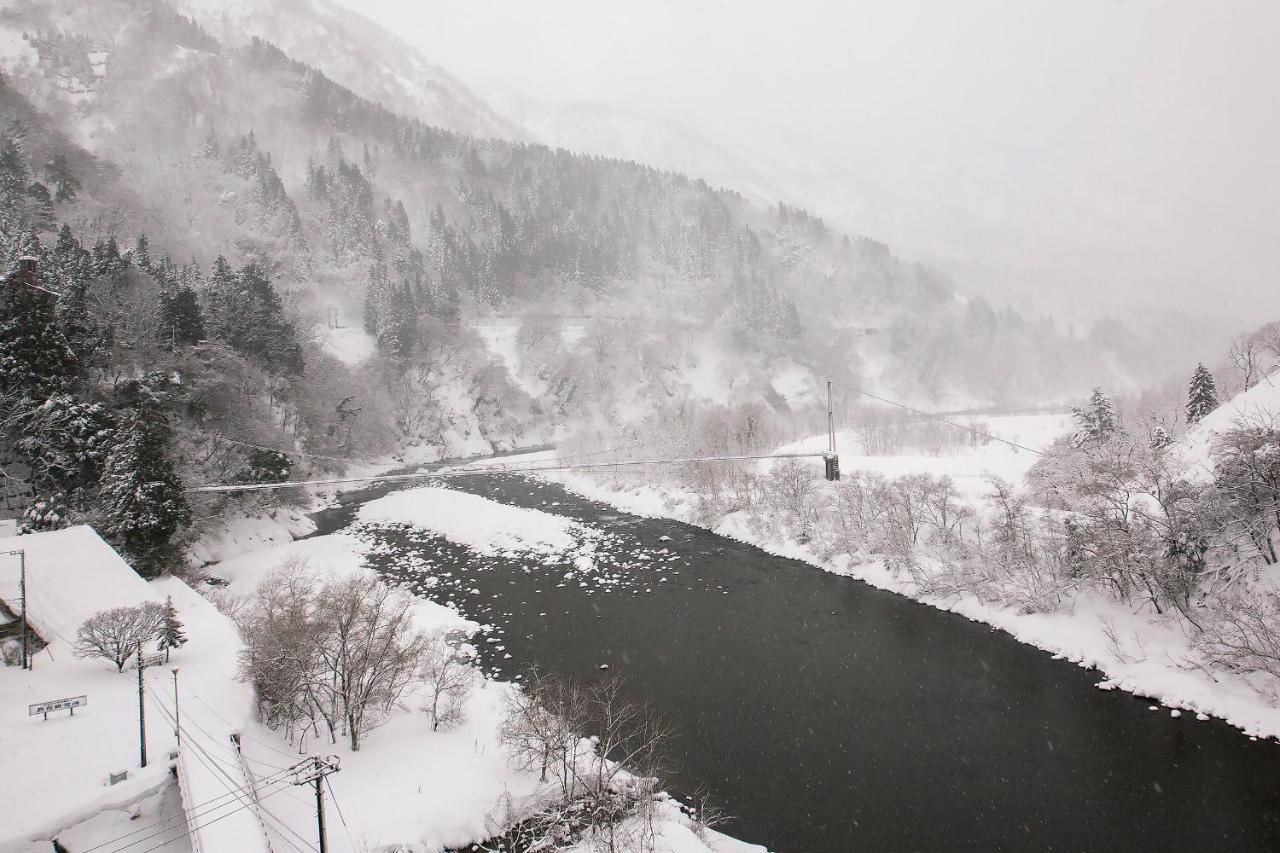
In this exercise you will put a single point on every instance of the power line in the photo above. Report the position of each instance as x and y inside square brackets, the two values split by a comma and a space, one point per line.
[214, 711]
[189, 812]
[346, 829]
[249, 444]
[218, 765]
[208, 823]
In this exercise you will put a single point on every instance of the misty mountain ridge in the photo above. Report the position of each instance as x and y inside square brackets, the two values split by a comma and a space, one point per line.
[421, 290]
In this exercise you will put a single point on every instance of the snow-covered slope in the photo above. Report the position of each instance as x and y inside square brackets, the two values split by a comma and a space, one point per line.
[669, 144]
[359, 54]
[1259, 403]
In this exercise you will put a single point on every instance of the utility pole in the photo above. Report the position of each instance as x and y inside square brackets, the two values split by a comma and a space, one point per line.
[22, 591]
[177, 715]
[22, 599]
[142, 711]
[831, 460]
[831, 422]
[315, 771]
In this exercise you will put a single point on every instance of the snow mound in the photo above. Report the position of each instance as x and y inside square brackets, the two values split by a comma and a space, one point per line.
[1262, 401]
[484, 526]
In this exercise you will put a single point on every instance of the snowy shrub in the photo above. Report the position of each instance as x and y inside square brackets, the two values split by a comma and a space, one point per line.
[1242, 633]
[608, 782]
[789, 489]
[1247, 481]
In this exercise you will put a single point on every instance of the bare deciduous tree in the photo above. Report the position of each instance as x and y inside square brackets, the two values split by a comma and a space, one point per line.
[339, 651]
[608, 782]
[1246, 356]
[449, 676]
[116, 634]
[369, 644]
[1243, 634]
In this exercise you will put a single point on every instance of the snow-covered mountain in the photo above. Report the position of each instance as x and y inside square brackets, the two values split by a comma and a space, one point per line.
[379, 283]
[365, 57]
[662, 142]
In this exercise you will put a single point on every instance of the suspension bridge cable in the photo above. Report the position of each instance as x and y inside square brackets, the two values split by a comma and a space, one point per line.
[969, 429]
[239, 443]
[493, 469]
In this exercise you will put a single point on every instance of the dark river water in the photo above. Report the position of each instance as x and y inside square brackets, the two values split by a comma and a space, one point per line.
[828, 715]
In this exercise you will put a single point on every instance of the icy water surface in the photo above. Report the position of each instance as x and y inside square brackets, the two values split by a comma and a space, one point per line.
[831, 716]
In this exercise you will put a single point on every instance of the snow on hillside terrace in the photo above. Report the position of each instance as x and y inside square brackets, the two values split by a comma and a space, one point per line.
[1261, 403]
[499, 337]
[349, 345]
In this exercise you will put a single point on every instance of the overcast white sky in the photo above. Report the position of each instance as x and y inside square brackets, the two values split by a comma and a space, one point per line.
[1068, 152]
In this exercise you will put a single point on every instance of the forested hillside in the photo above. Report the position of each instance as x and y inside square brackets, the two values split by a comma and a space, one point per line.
[245, 270]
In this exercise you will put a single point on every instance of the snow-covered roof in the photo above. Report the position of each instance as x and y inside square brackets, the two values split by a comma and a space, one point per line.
[71, 574]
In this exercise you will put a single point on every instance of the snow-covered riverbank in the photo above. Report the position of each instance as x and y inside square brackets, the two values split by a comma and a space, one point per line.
[409, 785]
[1137, 651]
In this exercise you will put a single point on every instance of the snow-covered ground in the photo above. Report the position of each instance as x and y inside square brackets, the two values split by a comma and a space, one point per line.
[1149, 655]
[57, 769]
[409, 785]
[499, 336]
[1027, 435]
[350, 345]
[1256, 404]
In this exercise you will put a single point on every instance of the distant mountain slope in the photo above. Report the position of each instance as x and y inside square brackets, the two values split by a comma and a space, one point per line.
[358, 53]
[329, 278]
[664, 143]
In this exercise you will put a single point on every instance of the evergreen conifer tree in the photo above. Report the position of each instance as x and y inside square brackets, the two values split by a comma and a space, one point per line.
[143, 499]
[1096, 421]
[1202, 395]
[172, 632]
[35, 359]
[1160, 438]
[181, 322]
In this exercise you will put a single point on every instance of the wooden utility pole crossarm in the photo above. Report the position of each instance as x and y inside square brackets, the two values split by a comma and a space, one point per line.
[314, 771]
